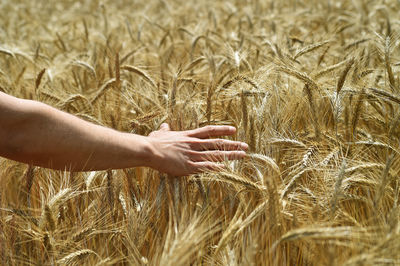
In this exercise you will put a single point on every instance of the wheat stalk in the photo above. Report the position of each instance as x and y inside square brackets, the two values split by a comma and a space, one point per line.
[309, 49]
[265, 159]
[323, 233]
[309, 87]
[292, 182]
[357, 113]
[141, 73]
[86, 66]
[245, 115]
[102, 90]
[47, 219]
[235, 179]
[39, 78]
[343, 76]
[240, 78]
[387, 64]
[329, 69]
[384, 181]
[6, 51]
[286, 141]
[385, 94]
[338, 188]
[362, 167]
[356, 43]
[77, 255]
[29, 176]
[299, 75]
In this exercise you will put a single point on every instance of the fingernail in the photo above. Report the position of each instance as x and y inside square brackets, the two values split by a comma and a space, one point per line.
[244, 146]
[232, 129]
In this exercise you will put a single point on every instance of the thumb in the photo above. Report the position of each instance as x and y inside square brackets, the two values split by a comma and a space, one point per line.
[164, 127]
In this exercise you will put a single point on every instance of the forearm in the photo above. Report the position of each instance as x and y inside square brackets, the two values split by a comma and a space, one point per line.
[38, 134]
[47, 137]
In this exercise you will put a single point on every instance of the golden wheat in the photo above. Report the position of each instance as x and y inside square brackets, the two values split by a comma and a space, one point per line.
[312, 87]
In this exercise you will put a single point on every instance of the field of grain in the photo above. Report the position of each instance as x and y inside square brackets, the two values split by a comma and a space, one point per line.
[312, 86]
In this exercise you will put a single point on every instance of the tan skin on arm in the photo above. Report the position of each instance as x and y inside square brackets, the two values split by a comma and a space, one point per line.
[37, 134]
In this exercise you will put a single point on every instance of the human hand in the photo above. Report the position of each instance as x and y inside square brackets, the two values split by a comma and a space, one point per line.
[181, 153]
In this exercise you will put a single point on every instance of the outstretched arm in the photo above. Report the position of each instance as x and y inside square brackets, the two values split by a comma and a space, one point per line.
[35, 133]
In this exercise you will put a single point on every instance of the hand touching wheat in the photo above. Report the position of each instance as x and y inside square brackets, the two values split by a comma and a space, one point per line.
[192, 151]
[37, 134]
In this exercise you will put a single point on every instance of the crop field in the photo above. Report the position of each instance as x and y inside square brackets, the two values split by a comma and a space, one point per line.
[312, 86]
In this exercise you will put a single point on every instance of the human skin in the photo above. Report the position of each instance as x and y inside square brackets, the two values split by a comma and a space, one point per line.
[35, 133]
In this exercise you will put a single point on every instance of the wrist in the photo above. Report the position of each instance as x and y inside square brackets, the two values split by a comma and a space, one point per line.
[152, 155]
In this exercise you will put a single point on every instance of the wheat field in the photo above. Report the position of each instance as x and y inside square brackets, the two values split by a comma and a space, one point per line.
[312, 86]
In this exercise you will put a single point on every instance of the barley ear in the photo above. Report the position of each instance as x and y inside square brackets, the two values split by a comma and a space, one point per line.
[47, 220]
[338, 188]
[384, 182]
[343, 76]
[29, 176]
[39, 79]
[117, 72]
[387, 64]
[357, 113]
[245, 116]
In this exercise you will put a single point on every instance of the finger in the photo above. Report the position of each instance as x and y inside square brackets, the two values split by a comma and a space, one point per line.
[199, 167]
[219, 144]
[216, 156]
[164, 127]
[211, 131]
